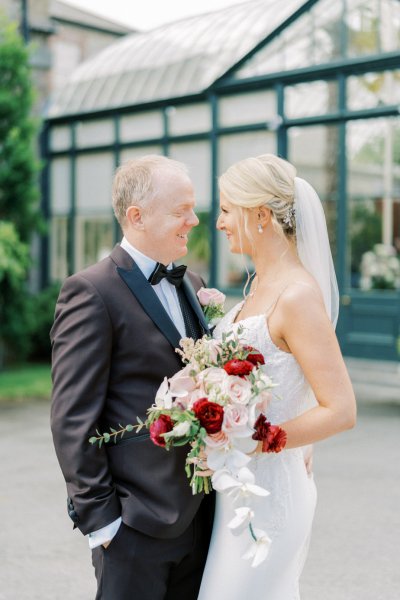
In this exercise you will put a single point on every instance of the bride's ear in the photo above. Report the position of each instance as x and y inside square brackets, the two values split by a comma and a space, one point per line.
[263, 216]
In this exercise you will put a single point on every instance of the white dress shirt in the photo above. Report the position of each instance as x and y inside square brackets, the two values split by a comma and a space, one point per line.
[168, 297]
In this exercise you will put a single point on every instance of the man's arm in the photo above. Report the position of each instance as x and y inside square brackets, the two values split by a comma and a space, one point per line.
[82, 345]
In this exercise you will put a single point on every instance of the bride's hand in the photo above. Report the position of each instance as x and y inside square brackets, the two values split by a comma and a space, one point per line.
[308, 459]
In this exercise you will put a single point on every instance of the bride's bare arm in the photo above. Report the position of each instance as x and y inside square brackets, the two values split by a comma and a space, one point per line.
[303, 325]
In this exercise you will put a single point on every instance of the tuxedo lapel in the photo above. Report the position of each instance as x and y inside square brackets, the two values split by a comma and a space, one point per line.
[148, 299]
[194, 303]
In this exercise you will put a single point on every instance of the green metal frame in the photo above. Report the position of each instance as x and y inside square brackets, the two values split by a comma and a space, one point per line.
[227, 85]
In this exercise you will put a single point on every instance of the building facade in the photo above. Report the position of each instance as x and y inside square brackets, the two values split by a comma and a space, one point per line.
[317, 82]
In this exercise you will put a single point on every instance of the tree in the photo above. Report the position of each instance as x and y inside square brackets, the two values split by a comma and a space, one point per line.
[19, 191]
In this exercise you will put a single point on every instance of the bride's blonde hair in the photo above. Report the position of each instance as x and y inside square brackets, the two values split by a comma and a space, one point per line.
[267, 181]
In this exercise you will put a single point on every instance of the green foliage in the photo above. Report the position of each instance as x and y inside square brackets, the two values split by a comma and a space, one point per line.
[41, 308]
[14, 257]
[199, 239]
[14, 315]
[25, 382]
[18, 164]
[19, 213]
[366, 232]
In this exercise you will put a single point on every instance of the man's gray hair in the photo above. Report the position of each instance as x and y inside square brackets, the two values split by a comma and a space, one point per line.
[136, 182]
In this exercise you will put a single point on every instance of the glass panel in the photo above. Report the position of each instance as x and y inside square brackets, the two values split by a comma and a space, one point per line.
[241, 109]
[373, 89]
[313, 38]
[237, 146]
[94, 240]
[196, 156]
[322, 34]
[142, 126]
[232, 267]
[373, 26]
[94, 133]
[310, 99]
[373, 150]
[94, 174]
[139, 151]
[313, 151]
[58, 242]
[60, 185]
[193, 118]
[60, 138]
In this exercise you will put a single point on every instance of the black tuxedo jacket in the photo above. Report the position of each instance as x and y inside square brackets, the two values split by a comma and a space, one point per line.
[113, 343]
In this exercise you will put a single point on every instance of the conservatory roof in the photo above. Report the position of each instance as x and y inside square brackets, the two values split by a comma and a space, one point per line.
[176, 60]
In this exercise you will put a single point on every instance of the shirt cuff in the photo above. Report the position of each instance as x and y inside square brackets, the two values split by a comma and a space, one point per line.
[105, 534]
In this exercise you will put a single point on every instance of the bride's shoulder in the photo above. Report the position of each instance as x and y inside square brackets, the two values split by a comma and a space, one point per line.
[301, 295]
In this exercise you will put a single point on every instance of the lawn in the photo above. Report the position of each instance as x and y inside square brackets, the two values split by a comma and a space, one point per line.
[25, 382]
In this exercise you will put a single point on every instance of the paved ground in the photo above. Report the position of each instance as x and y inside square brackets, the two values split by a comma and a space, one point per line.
[355, 548]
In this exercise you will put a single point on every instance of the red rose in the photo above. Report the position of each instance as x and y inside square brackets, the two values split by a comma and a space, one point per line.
[273, 437]
[238, 367]
[162, 425]
[254, 356]
[210, 415]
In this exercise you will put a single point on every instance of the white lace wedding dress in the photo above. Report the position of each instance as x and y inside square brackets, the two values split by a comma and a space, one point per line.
[287, 513]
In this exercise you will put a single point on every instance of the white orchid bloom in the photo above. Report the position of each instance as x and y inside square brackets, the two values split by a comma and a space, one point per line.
[226, 457]
[240, 485]
[241, 520]
[259, 549]
[163, 395]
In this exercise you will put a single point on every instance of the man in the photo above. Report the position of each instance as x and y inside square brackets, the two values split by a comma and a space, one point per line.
[116, 328]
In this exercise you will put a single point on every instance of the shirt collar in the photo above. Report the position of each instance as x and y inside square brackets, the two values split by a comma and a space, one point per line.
[145, 263]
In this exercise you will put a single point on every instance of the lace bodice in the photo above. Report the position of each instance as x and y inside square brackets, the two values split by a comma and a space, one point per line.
[291, 397]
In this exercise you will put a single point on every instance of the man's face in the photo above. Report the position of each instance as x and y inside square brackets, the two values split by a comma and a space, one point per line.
[169, 218]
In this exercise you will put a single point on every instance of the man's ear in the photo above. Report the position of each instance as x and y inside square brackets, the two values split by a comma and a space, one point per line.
[134, 217]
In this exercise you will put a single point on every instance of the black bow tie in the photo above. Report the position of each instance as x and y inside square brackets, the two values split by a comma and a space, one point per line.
[174, 275]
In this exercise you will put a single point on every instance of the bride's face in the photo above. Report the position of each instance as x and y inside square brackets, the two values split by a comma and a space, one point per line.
[230, 221]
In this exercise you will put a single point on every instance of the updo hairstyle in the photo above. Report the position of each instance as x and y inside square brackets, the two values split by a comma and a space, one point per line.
[264, 181]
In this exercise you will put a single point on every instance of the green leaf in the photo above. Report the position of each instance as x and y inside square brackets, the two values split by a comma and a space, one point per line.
[106, 437]
[93, 440]
[129, 427]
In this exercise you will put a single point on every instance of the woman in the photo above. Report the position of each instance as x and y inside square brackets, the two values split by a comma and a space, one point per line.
[289, 315]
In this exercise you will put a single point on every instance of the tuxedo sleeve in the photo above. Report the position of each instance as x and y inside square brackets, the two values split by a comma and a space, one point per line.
[81, 353]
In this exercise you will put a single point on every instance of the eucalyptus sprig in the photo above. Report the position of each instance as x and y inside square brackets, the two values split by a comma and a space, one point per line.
[114, 433]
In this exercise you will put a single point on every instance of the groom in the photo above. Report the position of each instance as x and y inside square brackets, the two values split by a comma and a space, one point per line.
[116, 328]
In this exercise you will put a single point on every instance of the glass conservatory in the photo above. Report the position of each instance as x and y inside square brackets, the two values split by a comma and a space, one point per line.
[317, 82]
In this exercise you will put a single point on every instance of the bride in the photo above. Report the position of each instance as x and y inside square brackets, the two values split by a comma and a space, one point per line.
[289, 315]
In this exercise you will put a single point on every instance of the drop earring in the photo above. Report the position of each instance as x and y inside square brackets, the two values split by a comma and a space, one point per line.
[260, 229]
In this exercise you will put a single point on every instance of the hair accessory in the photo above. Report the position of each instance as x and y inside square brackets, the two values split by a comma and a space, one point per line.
[290, 217]
[260, 229]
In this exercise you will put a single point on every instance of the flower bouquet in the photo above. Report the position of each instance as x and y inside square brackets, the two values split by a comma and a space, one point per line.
[216, 404]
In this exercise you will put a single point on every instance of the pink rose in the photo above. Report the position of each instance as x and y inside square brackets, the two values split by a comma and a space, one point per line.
[238, 389]
[235, 420]
[213, 376]
[208, 296]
